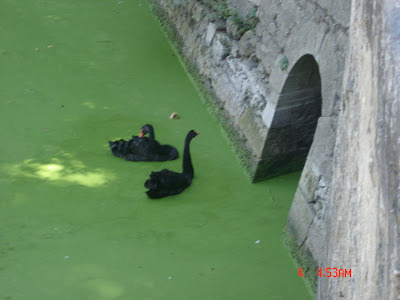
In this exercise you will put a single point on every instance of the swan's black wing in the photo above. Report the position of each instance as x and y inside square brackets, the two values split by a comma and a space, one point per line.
[153, 151]
[165, 183]
[134, 150]
[162, 153]
[142, 149]
[165, 179]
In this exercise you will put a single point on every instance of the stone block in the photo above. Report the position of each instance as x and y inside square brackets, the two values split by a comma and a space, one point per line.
[211, 29]
[287, 18]
[234, 48]
[220, 24]
[269, 110]
[249, 126]
[316, 242]
[232, 28]
[272, 28]
[300, 218]
[243, 8]
[309, 182]
[341, 9]
[278, 77]
[321, 152]
[247, 44]
[221, 47]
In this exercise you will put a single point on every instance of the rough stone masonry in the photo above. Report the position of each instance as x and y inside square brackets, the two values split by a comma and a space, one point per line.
[311, 85]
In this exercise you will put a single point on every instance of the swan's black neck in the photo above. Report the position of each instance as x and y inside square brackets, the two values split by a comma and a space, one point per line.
[151, 133]
[150, 130]
[187, 161]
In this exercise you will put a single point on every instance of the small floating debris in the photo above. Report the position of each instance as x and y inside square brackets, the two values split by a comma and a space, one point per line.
[169, 277]
[37, 49]
[66, 257]
[257, 242]
[50, 46]
[212, 269]
[174, 115]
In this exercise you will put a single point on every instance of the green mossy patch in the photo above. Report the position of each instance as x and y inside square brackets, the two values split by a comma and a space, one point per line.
[303, 259]
[219, 10]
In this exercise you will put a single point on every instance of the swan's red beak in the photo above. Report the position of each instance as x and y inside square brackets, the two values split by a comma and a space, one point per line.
[197, 133]
[141, 133]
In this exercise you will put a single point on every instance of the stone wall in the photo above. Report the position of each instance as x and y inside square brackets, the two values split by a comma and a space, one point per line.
[277, 88]
[273, 112]
[363, 211]
[242, 70]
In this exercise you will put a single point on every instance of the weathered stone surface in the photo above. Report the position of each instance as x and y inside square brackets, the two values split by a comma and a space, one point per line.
[220, 24]
[309, 182]
[243, 8]
[363, 210]
[247, 125]
[346, 209]
[211, 29]
[300, 218]
[235, 49]
[247, 44]
[322, 150]
[232, 28]
[221, 47]
[246, 75]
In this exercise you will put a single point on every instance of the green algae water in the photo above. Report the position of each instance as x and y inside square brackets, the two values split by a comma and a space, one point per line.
[75, 222]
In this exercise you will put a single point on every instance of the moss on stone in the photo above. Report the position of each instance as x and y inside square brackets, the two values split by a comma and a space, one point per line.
[243, 153]
[303, 259]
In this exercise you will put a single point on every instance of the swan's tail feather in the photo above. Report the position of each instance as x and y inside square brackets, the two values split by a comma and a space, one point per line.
[120, 147]
[114, 146]
[153, 181]
[148, 184]
[160, 179]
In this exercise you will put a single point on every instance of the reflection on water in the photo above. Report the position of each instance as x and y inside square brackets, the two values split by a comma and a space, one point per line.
[64, 169]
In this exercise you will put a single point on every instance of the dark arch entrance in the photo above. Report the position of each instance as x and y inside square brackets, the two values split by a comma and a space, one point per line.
[293, 126]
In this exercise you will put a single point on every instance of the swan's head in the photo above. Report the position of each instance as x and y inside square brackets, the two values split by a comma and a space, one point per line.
[192, 134]
[145, 130]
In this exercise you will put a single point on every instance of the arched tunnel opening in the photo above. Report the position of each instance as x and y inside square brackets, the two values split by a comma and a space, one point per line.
[295, 119]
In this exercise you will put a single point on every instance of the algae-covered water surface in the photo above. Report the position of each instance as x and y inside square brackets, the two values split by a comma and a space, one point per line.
[75, 222]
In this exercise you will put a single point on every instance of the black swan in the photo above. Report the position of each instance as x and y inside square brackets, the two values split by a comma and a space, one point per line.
[140, 148]
[167, 183]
